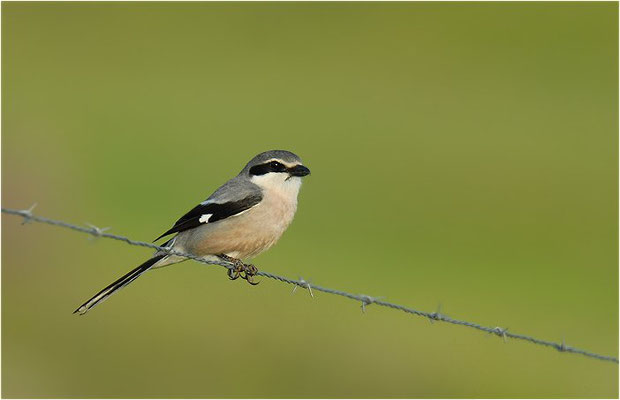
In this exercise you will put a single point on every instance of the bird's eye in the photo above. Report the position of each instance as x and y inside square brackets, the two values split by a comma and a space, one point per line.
[276, 166]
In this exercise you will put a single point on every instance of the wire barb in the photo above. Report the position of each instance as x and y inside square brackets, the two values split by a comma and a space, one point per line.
[96, 231]
[365, 300]
[435, 316]
[27, 214]
[500, 332]
[303, 284]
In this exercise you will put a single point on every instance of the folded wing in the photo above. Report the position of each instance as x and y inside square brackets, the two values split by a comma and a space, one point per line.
[210, 211]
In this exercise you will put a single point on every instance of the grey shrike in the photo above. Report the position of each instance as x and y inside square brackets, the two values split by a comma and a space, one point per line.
[244, 217]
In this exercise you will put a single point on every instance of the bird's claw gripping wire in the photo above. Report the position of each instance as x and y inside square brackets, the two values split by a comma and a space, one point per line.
[241, 269]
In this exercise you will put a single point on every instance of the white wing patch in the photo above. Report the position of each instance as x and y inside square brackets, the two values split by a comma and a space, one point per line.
[204, 218]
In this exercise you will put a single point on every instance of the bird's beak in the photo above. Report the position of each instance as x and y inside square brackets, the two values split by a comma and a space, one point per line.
[299, 170]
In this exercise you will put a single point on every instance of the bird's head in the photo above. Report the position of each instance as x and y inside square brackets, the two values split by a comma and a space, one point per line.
[276, 169]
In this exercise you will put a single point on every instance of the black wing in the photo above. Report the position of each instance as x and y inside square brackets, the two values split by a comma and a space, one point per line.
[218, 212]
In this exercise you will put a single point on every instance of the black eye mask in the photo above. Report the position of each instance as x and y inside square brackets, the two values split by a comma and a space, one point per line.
[272, 166]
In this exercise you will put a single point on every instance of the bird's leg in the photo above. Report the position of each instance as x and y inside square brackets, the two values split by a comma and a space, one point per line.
[240, 269]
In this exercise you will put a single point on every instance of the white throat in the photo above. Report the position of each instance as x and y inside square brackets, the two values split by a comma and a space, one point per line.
[279, 184]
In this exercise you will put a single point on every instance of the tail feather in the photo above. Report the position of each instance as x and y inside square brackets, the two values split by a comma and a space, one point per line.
[118, 284]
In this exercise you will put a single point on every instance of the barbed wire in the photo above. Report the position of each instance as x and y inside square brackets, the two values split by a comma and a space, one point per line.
[365, 300]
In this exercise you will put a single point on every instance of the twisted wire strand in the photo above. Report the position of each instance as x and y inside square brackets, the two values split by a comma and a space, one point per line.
[363, 299]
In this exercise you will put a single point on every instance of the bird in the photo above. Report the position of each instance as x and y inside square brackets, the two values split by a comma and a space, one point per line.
[241, 219]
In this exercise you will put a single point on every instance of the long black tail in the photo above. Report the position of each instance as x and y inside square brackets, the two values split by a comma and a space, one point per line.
[118, 284]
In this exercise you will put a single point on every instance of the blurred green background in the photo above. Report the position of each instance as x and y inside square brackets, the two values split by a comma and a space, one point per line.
[462, 154]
